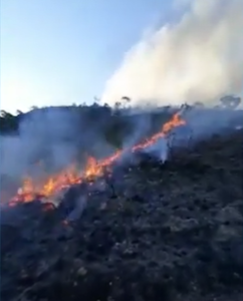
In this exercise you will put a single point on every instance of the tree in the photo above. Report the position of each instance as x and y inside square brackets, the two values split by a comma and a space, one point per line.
[19, 112]
[3, 113]
[230, 101]
[127, 99]
[9, 123]
[198, 104]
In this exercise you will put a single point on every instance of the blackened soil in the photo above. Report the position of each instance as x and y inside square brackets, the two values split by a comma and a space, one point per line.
[170, 232]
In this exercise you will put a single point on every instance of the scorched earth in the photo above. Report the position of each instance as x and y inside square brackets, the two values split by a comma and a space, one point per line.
[141, 230]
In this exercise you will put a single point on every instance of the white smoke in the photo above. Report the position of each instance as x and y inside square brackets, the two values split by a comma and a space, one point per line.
[197, 59]
[48, 140]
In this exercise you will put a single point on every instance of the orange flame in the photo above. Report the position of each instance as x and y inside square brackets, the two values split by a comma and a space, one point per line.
[94, 168]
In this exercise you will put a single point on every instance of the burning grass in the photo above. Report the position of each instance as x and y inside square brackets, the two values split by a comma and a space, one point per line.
[147, 231]
[94, 168]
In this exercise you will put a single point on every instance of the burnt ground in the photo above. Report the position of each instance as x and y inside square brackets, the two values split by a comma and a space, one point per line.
[168, 231]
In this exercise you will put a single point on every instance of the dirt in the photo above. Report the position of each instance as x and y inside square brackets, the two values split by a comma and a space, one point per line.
[160, 231]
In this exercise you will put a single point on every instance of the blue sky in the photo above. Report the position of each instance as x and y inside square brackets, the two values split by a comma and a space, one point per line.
[59, 52]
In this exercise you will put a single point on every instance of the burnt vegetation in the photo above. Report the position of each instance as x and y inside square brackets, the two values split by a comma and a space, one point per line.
[157, 231]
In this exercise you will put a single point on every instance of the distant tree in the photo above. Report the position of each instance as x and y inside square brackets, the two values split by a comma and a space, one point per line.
[8, 123]
[230, 101]
[6, 115]
[198, 104]
[3, 113]
[185, 107]
[118, 105]
[127, 99]
[95, 105]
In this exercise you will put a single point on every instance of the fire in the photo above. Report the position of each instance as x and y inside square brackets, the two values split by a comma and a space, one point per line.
[175, 121]
[94, 168]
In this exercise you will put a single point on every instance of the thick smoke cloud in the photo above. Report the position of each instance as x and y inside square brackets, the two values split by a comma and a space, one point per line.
[197, 59]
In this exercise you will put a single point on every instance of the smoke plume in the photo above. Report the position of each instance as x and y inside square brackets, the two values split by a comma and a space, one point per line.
[199, 58]
[49, 140]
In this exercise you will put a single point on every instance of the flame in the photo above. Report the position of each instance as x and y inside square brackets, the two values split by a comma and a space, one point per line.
[94, 168]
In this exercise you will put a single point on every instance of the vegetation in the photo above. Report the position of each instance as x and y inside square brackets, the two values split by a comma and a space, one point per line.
[112, 123]
[153, 231]
[115, 117]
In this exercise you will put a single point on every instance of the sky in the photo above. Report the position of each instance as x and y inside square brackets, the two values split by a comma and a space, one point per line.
[56, 52]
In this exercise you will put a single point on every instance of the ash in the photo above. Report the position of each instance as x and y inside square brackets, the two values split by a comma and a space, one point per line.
[152, 231]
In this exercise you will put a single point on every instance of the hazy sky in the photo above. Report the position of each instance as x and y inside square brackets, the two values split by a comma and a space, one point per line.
[59, 51]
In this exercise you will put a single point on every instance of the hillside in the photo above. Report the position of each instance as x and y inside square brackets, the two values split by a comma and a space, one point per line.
[155, 231]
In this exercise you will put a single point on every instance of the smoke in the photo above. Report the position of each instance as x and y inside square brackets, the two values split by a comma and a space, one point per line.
[197, 59]
[49, 140]
[42, 135]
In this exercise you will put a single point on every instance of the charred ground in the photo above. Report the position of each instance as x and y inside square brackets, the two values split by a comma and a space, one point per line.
[169, 231]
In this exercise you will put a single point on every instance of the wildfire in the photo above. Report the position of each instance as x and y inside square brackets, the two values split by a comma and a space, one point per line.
[94, 168]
